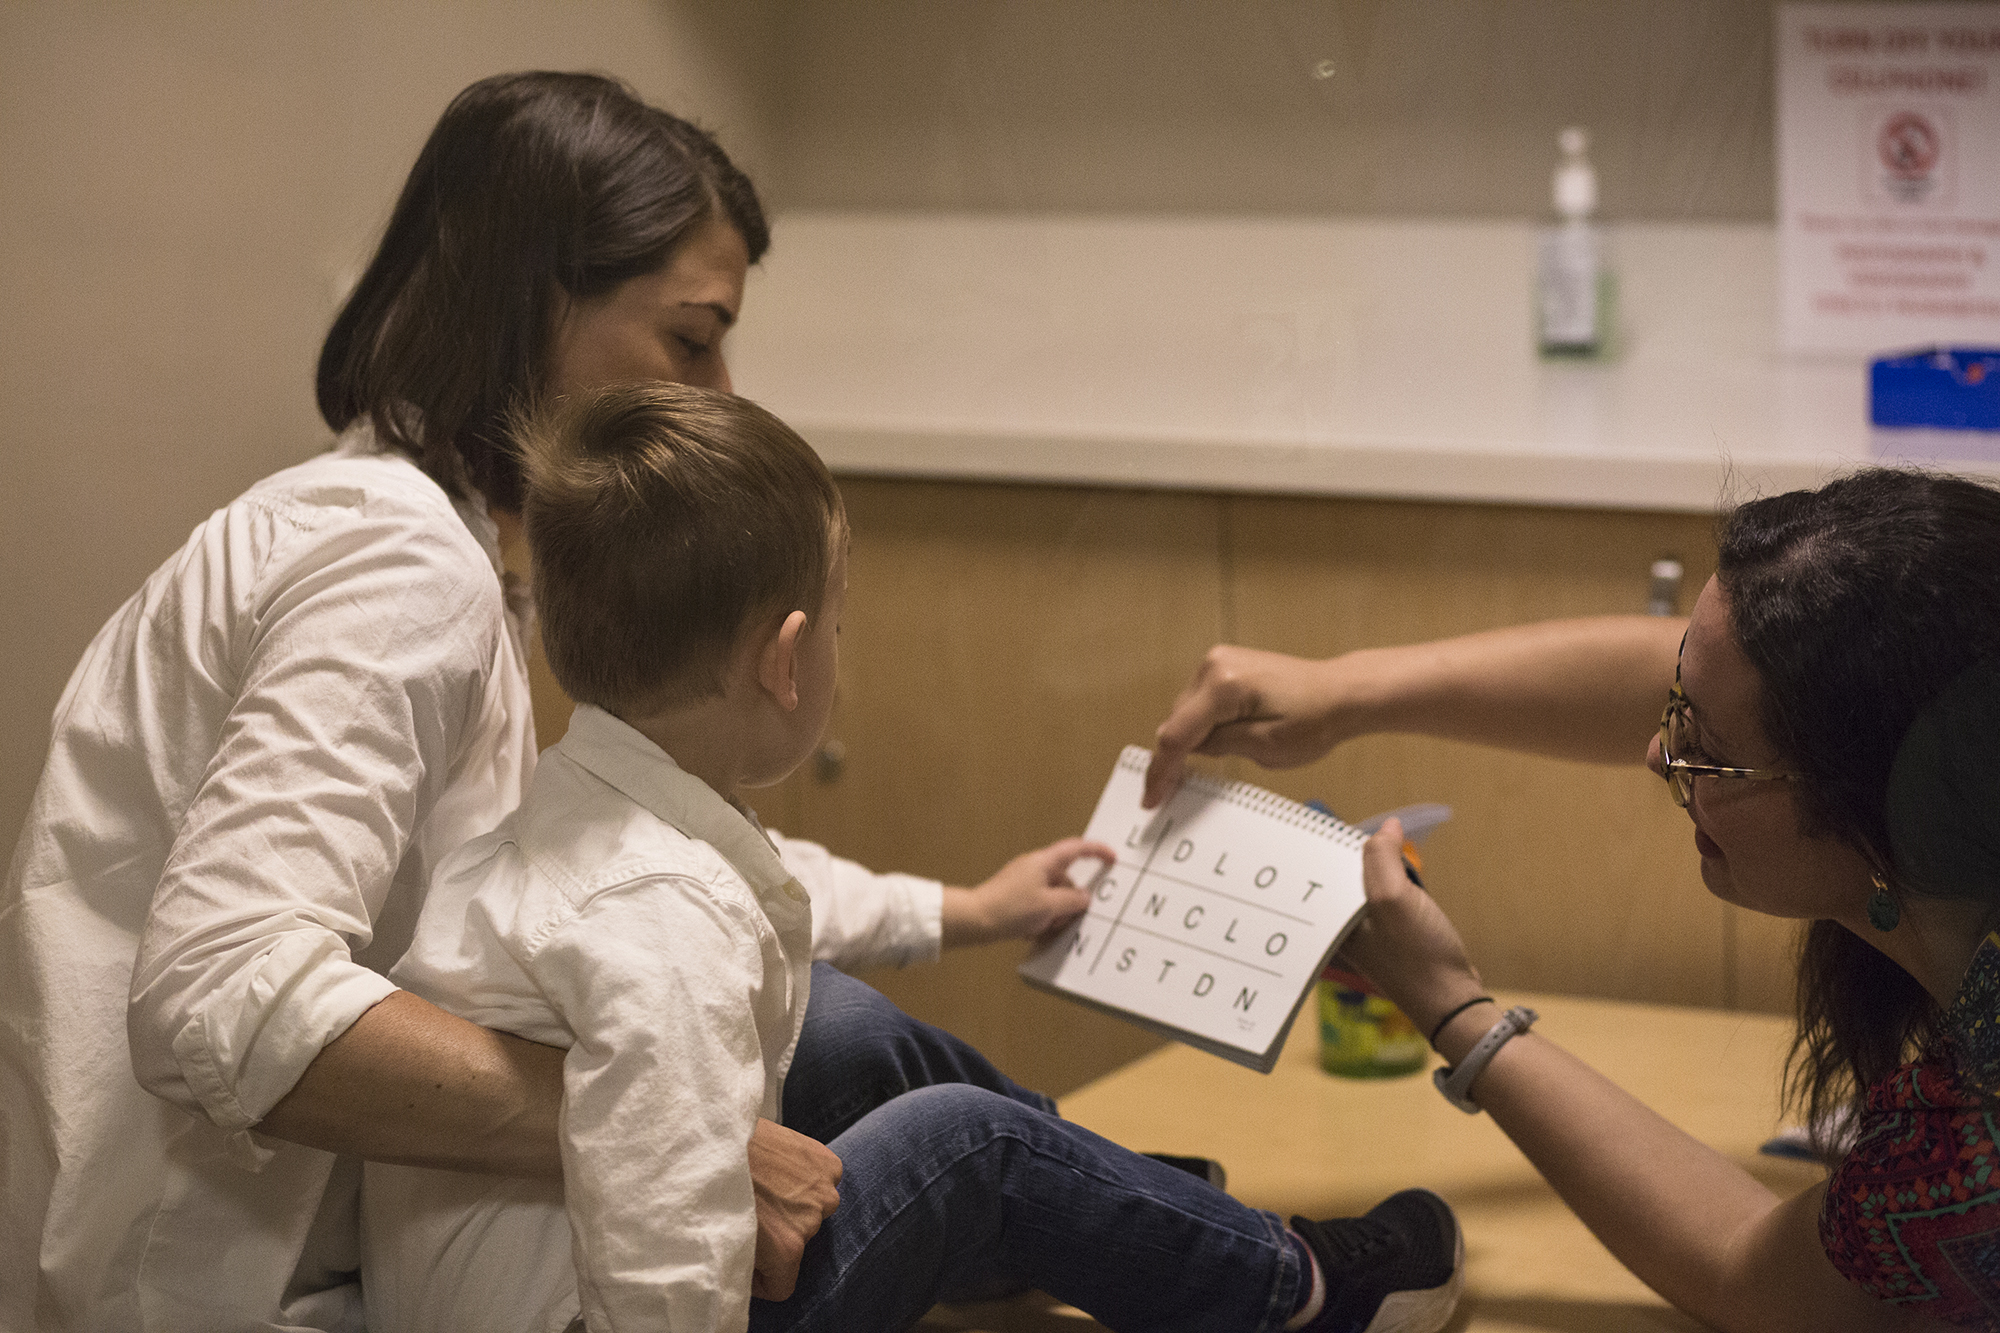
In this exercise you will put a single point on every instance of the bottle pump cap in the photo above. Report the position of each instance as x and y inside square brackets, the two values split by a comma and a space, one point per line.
[1575, 180]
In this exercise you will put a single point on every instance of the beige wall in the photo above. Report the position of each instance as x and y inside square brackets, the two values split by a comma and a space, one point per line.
[1001, 643]
[184, 187]
[1440, 107]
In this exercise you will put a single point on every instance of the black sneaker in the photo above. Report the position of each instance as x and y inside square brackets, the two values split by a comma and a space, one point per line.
[1206, 1168]
[1397, 1270]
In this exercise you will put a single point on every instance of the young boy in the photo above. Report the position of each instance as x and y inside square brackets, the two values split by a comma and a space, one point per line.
[690, 556]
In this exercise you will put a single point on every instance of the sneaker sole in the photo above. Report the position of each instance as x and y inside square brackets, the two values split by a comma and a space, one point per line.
[1428, 1310]
[1201, 1168]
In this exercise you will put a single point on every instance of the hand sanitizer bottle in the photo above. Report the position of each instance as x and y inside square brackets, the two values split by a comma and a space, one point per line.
[1572, 255]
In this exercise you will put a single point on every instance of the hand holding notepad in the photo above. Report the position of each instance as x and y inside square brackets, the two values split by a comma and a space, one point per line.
[1213, 925]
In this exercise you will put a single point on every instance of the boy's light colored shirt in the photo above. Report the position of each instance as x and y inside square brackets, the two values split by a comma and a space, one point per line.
[627, 913]
[253, 773]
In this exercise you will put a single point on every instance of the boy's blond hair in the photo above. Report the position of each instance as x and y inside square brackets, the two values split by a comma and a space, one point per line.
[666, 520]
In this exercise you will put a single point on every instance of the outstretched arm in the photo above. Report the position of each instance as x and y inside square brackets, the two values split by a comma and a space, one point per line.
[1575, 689]
[1691, 1223]
[1028, 898]
[865, 919]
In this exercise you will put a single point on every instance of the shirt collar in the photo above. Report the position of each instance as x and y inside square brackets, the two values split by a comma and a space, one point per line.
[649, 777]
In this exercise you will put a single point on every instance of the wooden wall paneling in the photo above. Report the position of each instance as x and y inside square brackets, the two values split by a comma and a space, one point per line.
[551, 706]
[1563, 877]
[1001, 643]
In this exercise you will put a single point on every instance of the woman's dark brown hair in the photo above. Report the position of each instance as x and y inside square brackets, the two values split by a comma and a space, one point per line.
[532, 185]
[1860, 604]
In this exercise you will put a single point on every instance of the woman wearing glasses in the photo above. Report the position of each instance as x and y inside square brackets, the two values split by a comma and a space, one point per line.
[1832, 727]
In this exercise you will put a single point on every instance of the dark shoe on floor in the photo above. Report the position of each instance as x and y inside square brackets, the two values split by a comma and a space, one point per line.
[1397, 1270]
[1206, 1168]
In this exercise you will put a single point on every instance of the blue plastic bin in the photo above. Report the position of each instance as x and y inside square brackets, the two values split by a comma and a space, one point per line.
[1956, 388]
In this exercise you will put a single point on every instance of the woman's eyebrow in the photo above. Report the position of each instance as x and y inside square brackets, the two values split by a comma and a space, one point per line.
[1703, 734]
[1712, 742]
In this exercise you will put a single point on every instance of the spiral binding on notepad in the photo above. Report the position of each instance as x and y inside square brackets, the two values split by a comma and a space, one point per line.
[1266, 803]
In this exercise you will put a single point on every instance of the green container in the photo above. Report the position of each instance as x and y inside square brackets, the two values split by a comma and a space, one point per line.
[1365, 1036]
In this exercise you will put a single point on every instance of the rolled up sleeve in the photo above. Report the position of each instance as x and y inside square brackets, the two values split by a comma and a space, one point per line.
[359, 666]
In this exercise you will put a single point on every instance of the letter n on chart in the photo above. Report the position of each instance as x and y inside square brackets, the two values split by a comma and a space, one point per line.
[1160, 841]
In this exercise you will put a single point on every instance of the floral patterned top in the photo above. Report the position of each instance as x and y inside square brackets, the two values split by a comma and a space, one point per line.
[1912, 1212]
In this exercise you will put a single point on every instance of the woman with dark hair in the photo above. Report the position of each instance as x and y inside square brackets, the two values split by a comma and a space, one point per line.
[537, 198]
[266, 751]
[1833, 730]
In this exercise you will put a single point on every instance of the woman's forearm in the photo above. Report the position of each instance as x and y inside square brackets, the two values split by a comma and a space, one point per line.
[1575, 689]
[1692, 1224]
[408, 1082]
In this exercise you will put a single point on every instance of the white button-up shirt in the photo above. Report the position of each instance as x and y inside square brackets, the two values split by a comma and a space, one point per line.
[630, 915]
[252, 773]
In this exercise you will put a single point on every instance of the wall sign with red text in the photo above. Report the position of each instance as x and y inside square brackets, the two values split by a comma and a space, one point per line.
[1888, 175]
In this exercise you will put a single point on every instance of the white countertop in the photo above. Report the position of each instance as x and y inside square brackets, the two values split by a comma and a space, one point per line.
[1343, 357]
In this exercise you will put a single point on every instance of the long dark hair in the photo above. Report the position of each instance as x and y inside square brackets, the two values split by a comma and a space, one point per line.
[1859, 604]
[532, 184]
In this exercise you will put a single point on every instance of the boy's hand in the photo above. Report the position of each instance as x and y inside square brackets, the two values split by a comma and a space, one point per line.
[1030, 897]
[797, 1181]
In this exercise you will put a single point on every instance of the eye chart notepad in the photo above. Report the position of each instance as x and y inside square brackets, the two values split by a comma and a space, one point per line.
[1214, 923]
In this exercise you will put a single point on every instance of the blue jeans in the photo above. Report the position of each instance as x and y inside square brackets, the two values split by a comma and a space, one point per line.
[955, 1193]
[857, 1050]
[962, 1185]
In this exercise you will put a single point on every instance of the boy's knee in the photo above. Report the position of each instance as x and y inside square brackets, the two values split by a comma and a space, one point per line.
[849, 1020]
[954, 1109]
[834, 992]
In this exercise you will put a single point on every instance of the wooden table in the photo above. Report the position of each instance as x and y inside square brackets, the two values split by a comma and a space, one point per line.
[1301, 1141]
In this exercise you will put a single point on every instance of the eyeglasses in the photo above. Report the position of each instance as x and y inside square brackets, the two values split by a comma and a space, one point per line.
[1679, 773]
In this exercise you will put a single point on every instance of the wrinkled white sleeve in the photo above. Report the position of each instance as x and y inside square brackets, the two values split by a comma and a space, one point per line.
[359, 655]
[659, 981]
[863, 919]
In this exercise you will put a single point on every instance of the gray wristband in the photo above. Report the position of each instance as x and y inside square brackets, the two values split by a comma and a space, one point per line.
[1456, 1084]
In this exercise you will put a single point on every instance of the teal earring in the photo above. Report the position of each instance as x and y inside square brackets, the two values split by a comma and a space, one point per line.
[1884, 913]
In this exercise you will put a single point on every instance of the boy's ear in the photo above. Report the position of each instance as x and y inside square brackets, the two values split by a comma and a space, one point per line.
[778, 661]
